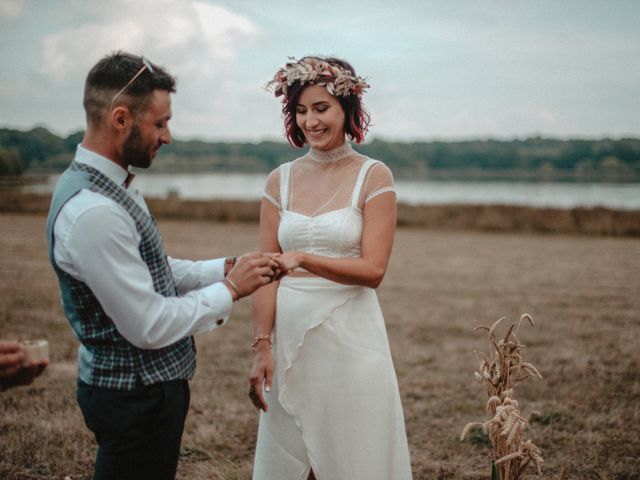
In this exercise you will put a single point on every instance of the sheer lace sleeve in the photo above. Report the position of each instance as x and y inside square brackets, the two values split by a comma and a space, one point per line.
[272, 188]
[379, 180]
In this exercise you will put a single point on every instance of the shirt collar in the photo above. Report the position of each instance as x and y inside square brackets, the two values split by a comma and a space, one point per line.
[111, 169]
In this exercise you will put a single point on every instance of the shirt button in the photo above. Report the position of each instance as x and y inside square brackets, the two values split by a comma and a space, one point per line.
[219, 321]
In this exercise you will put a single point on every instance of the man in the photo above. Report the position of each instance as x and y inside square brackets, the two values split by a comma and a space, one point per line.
[13, 371]
[133, 309]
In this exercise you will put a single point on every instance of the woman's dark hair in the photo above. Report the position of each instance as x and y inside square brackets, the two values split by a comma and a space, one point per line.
[356, 118]
[111, 74]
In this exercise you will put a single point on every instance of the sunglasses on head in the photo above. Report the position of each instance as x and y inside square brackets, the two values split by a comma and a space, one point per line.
[145, 66]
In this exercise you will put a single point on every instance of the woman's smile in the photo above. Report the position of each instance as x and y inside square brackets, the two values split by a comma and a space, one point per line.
[315, 132]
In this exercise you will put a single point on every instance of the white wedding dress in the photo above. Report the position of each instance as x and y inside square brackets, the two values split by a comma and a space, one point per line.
[334, 406]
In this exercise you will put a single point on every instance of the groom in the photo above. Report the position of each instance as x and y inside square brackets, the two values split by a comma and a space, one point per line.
[133, 309]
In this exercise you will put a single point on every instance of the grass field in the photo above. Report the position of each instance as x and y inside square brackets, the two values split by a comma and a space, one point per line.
[583, 292]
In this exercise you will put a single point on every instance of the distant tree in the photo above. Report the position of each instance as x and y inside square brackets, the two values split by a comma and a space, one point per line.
[34, 145]
[72, 141]
[10, 162]
[39, 148]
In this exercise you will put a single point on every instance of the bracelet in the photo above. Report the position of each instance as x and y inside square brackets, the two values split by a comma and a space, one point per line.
[231, 262]
[260, 338]
[233, 286]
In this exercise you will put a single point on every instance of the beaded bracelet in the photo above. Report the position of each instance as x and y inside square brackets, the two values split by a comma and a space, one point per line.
[260, 338]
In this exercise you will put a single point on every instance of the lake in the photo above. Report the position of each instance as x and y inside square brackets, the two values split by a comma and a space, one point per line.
[243, 186]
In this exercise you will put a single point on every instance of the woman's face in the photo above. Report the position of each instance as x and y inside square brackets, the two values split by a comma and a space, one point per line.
[321, 118]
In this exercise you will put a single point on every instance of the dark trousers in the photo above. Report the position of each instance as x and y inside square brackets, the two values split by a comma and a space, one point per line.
[138, 432]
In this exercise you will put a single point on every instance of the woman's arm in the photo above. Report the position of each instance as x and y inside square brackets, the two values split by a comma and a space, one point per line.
[377, 240]
[264, 308]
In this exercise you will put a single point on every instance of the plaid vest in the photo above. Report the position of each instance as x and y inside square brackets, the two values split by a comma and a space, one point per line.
[105, 358]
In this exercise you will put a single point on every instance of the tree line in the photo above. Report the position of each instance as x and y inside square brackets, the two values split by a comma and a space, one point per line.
[39, 149]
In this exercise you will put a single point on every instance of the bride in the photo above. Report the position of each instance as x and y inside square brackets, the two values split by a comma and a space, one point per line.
[323, 373]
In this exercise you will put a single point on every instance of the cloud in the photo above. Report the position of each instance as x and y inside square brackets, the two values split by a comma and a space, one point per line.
[199, 42]
[187, 35]
[11, 9]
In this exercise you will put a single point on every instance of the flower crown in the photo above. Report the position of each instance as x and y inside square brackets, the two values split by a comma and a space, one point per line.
[338, 81]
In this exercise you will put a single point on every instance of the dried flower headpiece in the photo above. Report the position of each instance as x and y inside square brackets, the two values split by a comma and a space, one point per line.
[338, 81]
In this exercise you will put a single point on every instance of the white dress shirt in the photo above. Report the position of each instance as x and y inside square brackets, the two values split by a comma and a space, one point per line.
[96, 242]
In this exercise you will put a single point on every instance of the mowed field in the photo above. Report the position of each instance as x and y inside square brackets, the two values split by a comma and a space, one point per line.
[583, 293]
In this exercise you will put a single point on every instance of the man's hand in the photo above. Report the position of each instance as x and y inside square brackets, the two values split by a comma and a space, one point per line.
[12, 372]
[11, 356]
[251, 271]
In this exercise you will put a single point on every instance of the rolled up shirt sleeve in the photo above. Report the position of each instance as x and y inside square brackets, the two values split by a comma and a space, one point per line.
[101, 250]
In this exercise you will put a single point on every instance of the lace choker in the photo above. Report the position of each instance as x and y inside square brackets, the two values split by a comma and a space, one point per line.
[331, 156]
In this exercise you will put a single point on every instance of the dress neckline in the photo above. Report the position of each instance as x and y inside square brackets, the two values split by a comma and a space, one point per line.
[333, 155]
[337, 210]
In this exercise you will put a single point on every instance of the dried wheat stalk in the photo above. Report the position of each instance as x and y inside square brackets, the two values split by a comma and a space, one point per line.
[500, 373]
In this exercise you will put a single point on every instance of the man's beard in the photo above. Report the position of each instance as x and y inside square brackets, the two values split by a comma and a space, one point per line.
[134, 153]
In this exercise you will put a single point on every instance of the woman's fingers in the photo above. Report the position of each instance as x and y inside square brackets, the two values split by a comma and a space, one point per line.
[255, 396]
[268, 381]
[258, 400]
[261, 379]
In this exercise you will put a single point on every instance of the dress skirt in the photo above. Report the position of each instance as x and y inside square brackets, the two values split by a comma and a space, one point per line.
[334, 406]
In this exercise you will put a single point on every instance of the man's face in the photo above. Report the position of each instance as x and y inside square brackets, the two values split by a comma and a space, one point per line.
[149, 132]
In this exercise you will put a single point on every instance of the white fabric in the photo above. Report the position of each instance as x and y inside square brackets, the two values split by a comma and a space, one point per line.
[315, 187]
[334, 406]
[96, 242]
[336, 233]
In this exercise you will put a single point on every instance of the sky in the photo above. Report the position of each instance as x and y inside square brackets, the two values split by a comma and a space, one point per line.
[438, 70]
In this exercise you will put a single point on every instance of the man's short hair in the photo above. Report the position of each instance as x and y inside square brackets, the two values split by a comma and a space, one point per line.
[111, 74]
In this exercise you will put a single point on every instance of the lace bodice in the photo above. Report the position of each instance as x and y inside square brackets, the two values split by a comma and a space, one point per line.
[321, 204]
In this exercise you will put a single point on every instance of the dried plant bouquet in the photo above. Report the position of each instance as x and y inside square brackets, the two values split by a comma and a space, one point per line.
[500, 373]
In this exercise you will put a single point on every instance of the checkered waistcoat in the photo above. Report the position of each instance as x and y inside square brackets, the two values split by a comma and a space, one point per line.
[105, 358]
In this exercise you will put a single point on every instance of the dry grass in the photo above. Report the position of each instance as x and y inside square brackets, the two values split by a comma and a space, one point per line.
[495, 218]
[582, 291]
[500, 373]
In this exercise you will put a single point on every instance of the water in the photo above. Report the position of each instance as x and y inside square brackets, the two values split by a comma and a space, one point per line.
[242, 186]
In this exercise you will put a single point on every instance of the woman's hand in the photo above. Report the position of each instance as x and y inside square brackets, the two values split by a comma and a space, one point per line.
[288, 261]
[261, 375]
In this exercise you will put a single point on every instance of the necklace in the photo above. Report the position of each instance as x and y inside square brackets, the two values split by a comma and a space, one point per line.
[331, 156]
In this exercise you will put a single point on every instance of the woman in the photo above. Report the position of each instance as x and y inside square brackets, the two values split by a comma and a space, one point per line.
[332, 409]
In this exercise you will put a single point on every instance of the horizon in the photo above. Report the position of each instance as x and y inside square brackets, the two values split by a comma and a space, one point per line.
[369, 138]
